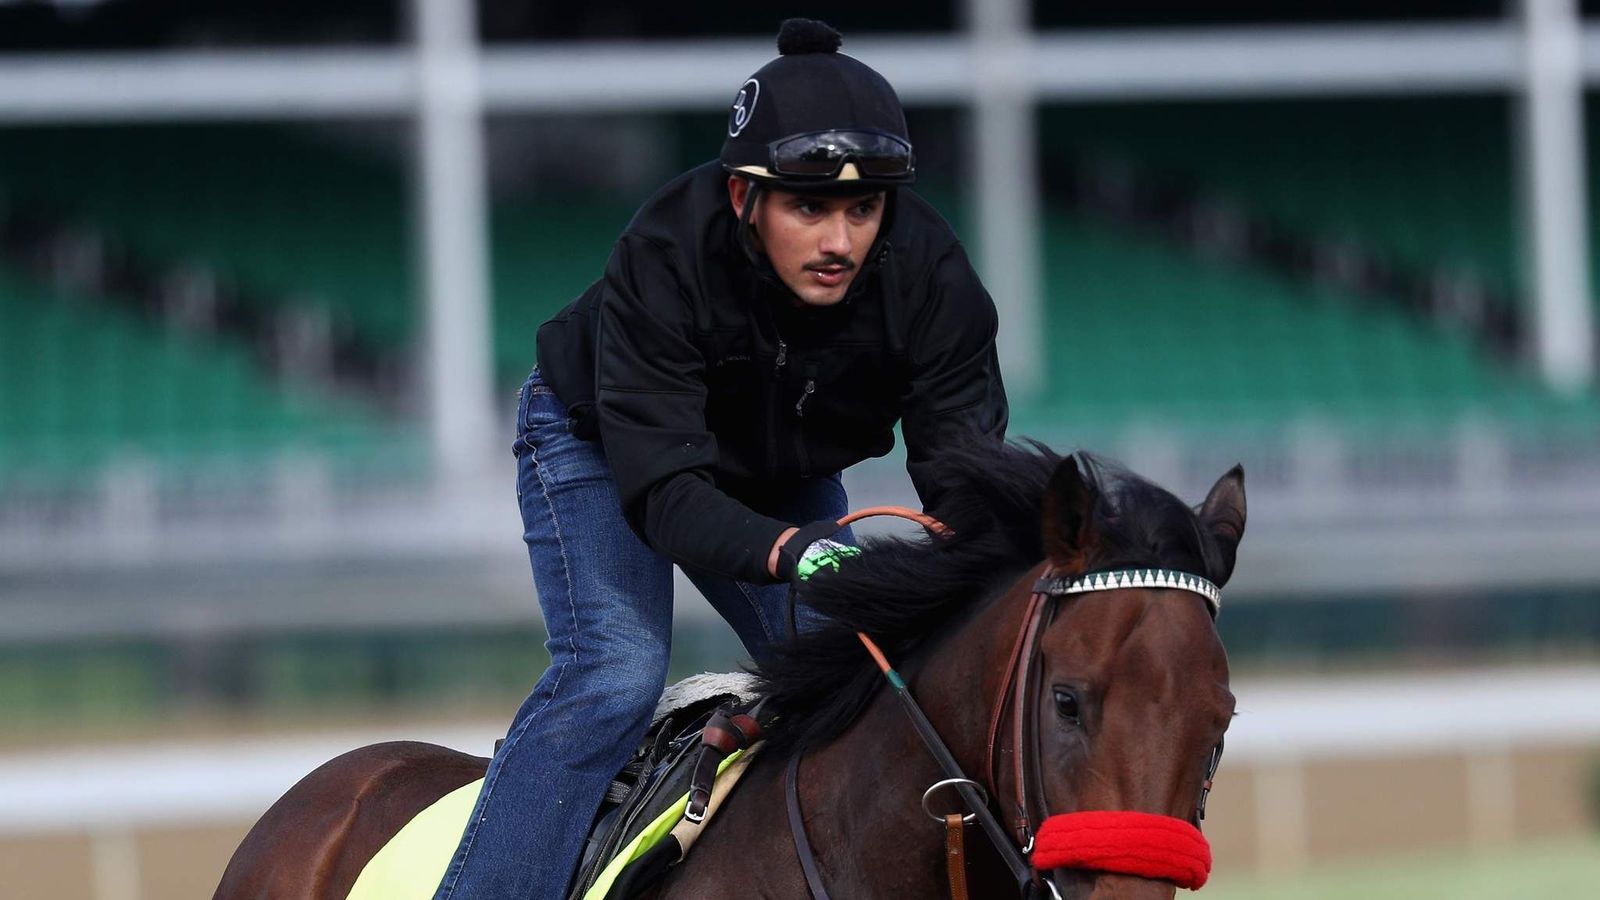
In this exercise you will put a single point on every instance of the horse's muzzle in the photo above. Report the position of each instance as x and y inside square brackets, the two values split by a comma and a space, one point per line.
[1080, 884]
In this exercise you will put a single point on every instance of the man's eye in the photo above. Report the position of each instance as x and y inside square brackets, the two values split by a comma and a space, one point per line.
[865, 209]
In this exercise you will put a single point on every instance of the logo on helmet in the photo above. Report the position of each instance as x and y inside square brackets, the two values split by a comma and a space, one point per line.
[744, 106]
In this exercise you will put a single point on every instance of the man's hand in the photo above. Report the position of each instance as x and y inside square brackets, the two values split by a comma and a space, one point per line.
[802, 552]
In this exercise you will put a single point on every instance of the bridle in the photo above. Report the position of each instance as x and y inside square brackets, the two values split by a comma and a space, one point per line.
[1017, 685]
[1021, 680]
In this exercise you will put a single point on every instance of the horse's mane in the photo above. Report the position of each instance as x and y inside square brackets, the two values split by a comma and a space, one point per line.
[903, 591]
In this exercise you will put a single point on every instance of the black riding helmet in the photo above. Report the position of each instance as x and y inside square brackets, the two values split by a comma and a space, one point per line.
[817, 120]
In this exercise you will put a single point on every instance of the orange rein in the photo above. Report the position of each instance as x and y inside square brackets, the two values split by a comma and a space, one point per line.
[933, 527]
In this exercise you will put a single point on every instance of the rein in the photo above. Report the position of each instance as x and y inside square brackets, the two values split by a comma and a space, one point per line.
[1146, 845]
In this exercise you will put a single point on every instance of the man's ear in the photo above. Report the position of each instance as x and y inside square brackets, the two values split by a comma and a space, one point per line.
[738, 192]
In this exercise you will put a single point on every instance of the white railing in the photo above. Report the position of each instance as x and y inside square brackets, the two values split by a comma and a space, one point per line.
[1284, 728]
[1480, 509]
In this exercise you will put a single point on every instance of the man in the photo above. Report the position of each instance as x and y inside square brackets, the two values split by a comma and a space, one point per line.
[762, 324]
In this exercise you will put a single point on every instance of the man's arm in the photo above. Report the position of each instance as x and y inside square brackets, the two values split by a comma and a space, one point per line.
[650, 401]
[955, 393]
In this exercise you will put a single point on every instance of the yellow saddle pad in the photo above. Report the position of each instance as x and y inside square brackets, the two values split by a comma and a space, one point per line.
[413, 863]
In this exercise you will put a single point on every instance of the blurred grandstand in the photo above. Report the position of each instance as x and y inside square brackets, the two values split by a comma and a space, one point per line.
[267, 289]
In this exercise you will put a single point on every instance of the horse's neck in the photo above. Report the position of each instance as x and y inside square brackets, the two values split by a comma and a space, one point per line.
[863, 793]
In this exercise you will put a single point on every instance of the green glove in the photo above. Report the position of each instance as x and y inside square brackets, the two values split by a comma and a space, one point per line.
[812, 549]
[826, 554]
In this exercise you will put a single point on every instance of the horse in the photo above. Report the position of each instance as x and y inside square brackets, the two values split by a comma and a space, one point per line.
[1057, 642]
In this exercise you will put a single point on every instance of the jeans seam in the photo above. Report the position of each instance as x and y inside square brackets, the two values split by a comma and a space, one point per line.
[513, 739]
[755, 605]
[566, 565]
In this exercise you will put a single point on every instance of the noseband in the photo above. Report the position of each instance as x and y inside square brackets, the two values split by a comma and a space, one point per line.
[1145, 845]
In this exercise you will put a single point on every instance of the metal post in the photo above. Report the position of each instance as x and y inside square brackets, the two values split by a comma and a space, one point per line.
[450, 185]
[1006, 190]
[1555, 210]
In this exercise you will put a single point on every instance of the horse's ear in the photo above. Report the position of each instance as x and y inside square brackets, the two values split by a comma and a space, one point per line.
[1069, 533]
[1222, 515]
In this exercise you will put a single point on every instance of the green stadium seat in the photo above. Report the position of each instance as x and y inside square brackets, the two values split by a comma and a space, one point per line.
[1426, 181]
[83, 384]
[1139, 331]
[1142, 333]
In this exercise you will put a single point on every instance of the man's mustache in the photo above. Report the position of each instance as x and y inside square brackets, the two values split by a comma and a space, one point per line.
[844, 262]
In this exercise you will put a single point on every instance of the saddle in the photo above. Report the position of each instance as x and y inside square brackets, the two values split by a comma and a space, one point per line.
[654, 810]
[703, 729]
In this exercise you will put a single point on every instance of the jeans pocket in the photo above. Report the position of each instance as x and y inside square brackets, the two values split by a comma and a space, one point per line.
[538, 409]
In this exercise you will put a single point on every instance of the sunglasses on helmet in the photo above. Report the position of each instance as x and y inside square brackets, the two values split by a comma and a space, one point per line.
[822, 154]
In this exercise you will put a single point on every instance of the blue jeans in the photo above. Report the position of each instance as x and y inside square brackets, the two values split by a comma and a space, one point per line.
[607, 603]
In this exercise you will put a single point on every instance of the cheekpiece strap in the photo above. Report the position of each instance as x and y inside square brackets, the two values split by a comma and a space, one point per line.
[1118, 579]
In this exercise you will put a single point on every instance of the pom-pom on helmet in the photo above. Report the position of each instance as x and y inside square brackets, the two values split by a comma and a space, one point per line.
[815, 119]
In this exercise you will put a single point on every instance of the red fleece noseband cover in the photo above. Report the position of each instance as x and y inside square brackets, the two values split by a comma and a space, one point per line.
[1126, 843]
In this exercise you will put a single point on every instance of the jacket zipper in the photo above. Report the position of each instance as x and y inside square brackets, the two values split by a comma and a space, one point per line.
[802, 453]
[807, 391]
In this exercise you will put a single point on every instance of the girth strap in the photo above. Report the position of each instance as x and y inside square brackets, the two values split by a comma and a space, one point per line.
[797, 828]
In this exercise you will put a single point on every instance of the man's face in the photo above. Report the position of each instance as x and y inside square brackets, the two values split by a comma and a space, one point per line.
[816, 243]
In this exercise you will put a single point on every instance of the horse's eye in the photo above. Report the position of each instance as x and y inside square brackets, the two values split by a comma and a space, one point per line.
[1066, 705]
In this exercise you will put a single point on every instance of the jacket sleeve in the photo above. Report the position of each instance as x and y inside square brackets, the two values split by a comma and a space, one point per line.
[955, 393]
[650, 404]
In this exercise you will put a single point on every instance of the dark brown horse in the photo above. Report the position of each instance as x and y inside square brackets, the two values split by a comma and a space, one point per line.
[1124, 698]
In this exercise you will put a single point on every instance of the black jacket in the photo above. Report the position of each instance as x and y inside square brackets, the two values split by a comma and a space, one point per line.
[711, 392]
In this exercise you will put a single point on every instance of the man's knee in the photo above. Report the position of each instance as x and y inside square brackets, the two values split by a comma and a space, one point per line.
[623, 687]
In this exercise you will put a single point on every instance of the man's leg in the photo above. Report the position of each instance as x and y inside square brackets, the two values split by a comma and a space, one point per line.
[607, 603]
[759, 614]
